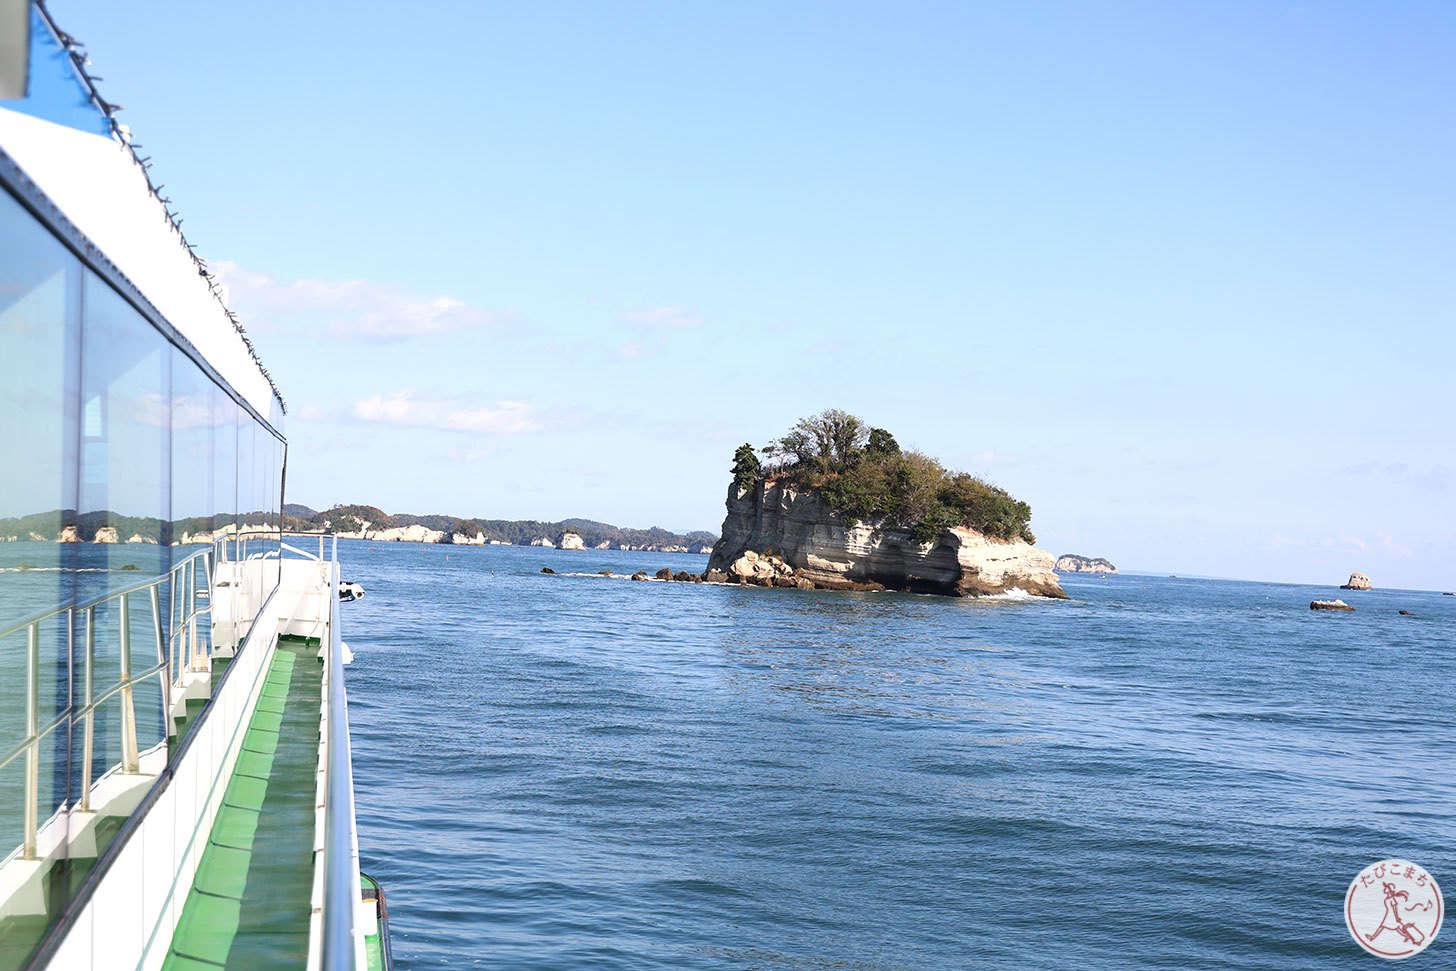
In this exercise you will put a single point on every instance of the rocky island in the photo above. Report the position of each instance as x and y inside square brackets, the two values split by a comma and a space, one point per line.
[1357, 581]
[839, 506]
[1076, 563]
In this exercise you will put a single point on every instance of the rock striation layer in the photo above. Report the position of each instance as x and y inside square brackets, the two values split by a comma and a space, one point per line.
[776, 534]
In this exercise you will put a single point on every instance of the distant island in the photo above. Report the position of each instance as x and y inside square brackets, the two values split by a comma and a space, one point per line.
[370, 522]
[836, 504]
[1076, 563]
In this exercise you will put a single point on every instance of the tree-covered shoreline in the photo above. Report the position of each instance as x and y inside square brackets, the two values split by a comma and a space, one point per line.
[518, 532]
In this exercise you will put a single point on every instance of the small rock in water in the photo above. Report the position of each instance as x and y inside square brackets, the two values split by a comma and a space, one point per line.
[715, 576]
[663, 574]
[683, 576]
[605, 573]
[547, 569]
[1406, 613]
[640, 575]
[1329, 605]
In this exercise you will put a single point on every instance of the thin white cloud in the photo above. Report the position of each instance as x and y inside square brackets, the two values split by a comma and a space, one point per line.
[1342, 542]
[663, 318]
[405, 409]
[358, 309]
[468, 456]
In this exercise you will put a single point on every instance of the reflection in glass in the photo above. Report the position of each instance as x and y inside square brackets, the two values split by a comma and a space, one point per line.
[39, 348]
[225, 468]
[194, 422]
[125, 509]
[40, 289]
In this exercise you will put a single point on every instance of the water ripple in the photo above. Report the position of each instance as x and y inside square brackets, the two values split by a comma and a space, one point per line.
[564, 771]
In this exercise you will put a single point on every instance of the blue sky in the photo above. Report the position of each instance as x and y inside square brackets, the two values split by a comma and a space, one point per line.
[1179, 275]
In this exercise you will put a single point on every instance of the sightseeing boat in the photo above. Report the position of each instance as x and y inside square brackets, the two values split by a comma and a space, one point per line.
[175, 783]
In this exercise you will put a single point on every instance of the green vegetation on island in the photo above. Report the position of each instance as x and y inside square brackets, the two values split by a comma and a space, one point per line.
[864, 475]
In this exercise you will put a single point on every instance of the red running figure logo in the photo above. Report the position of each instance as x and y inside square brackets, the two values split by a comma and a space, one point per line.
[1393, 909]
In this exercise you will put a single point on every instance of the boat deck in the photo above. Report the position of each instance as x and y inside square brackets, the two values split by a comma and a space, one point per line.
[247, 909]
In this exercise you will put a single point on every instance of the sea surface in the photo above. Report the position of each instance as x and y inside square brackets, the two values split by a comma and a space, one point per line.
[576, 771]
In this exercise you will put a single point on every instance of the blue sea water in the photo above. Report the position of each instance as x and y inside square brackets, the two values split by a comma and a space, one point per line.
[574, 771]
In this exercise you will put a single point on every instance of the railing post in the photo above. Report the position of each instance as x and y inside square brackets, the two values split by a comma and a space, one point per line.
[174, 598]
[32, 754]
[130, 762]
[89, 736]
[209, 565]
[156, 598]
[194, 663]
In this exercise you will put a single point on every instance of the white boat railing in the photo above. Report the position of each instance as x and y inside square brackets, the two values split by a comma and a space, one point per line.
[342, 944]
[172, 655]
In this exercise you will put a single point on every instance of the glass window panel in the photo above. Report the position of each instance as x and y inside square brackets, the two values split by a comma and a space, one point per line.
[123, 523]
[40, 347]
[225, 465]
[194, 426]
[266, 497]
[247, 484]
[125, 443]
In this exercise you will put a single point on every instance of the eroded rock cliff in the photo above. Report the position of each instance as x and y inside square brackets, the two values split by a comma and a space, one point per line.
[776, 534]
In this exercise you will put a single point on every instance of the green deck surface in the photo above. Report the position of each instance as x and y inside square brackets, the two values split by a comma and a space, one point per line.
[373, 943]
[249, 904]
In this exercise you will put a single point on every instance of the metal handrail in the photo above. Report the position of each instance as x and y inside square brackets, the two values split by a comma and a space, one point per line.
[183, 627]
[42, 616]
[319, 535]
[78, 713]
[341, 865]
